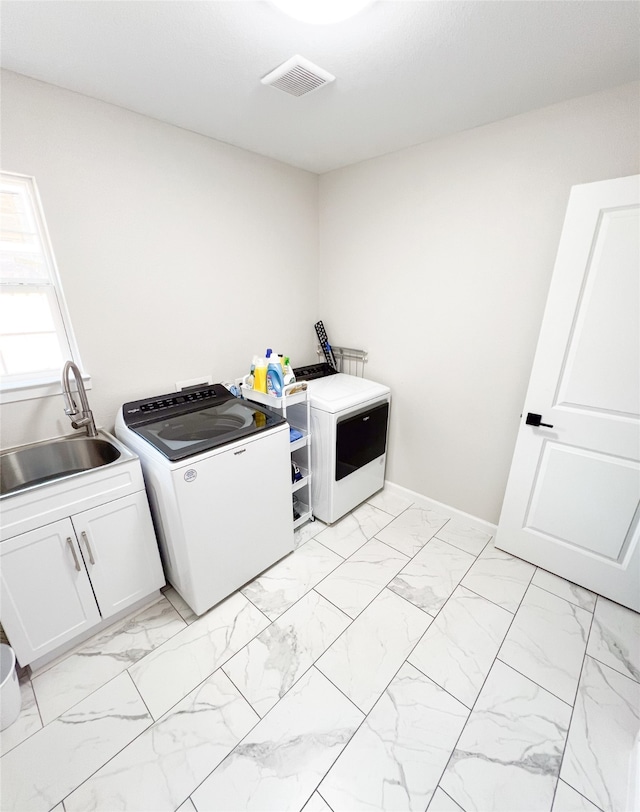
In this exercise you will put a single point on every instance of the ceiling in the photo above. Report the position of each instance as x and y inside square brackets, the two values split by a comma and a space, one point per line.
[407, 71]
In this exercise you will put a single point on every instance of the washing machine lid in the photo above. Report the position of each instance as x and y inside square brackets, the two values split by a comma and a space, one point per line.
[339, 392]
[181, 425]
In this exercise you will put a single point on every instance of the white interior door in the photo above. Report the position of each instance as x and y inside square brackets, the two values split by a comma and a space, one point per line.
[572, 499]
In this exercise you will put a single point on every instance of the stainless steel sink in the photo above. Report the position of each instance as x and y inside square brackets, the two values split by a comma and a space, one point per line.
[40, 463]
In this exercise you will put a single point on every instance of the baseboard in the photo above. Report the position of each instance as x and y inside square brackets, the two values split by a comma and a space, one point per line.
[426, 502]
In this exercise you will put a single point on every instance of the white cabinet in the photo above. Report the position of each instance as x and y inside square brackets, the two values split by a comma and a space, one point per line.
[47, 598]
[295, 409]
[60, 580]
[120, 552]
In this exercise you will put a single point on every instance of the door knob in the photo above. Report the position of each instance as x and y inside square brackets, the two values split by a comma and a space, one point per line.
[535, 420]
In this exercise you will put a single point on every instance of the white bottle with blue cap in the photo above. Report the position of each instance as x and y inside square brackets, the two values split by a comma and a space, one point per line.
[275, 381]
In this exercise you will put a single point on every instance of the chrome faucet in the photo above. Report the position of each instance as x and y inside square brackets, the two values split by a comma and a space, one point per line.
[71, 409]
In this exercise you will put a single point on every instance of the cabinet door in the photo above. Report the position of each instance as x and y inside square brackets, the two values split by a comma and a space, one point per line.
[45, 591]
[120, 552]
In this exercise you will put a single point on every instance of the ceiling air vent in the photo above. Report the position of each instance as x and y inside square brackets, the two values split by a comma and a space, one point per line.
[297, 76]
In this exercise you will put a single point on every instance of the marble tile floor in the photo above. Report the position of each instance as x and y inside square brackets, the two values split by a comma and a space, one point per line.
[394, 661]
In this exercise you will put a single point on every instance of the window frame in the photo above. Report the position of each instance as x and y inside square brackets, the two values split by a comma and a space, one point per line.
[26, 386]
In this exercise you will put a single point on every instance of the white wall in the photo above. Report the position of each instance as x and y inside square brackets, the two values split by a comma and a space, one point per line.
[437, 260]
[179, 255]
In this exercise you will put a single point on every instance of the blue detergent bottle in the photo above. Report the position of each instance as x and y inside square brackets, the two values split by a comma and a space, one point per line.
[275, 380]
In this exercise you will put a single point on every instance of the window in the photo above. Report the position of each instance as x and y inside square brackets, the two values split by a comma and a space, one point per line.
[35, 332]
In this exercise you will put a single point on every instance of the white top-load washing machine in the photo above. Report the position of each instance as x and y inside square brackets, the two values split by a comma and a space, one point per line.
[349, 425]
[218, 475]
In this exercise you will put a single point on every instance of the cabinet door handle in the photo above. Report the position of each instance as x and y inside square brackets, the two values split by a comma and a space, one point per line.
[88, 546]
[73, 553]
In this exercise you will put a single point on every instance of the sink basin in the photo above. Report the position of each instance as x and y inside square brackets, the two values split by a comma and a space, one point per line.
[36, 464]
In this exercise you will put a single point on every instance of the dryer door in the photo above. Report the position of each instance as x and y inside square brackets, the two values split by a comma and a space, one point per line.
[360, 439]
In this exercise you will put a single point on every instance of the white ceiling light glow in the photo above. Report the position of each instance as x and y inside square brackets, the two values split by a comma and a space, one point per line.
[321, 12]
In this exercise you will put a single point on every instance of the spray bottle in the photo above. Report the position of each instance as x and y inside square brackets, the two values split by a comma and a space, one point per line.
[289, 377]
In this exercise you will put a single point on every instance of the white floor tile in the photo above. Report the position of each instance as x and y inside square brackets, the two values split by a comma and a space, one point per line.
[349, 533]
[307, 531]
[432, 576]
[568, 800]
[281, 761]
[282, 585]
[615, 638]
[458, 649]
[564, 589]
[40, 772]
[180, 605]
[547, 642]
[365, 658]
[396, 758]
[316, 803]
[187, 806]
[28, 721]
[508, 757]
[289, 651]
[266, 668]
[103, 657]
[464, 536]
[602, 760]
[390, 502]
[170, 672]
[441, 802]
[412, 529]
[354, 584]
[162, 767]
[499, 577]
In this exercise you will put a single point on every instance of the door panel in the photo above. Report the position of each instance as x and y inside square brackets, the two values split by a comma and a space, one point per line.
[571, 504]
[595, 516]
[119, 537]
[46, 599]
[603, 365]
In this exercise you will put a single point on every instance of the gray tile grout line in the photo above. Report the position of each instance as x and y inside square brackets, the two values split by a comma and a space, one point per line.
[573, 603]
[111, 758]
[434, 681]
[480, 691]
[220, 667]
[74, 649]
[382, 588]
[238, 743]
[404, 662]
[438, 787]
[564, 781]
[255, 606]
[321, 795]
[526, 676]
[91, 693]
[33, 733]
[573, 707]
[313, 665]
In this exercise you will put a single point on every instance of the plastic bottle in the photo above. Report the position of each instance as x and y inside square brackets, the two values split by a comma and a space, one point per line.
[251, 376]
[260, 375]
[289, 377]
[274, 374]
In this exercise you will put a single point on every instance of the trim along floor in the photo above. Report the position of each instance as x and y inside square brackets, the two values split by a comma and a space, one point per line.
[395, 661]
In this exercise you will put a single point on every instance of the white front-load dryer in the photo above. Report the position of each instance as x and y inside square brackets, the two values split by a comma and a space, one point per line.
[349, 426]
